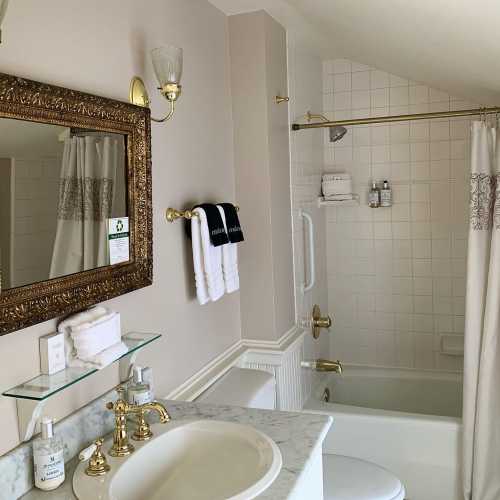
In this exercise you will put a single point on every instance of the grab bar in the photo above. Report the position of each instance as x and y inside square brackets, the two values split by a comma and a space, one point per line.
[312, 264]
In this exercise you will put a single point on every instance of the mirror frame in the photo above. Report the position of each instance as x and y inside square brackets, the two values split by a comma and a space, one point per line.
[24, 99]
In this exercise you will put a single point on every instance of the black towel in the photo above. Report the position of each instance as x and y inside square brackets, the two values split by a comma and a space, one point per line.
[232, 222]
[218, 235]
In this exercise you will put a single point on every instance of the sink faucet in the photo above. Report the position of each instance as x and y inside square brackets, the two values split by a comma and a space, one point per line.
[323, 365]
[121, 446]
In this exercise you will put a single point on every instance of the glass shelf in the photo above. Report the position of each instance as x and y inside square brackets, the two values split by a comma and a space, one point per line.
[44, 386]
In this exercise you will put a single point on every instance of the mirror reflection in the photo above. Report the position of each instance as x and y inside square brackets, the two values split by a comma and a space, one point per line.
[63, 203]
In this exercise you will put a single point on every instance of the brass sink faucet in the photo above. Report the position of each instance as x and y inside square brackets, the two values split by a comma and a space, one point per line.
[121, 446]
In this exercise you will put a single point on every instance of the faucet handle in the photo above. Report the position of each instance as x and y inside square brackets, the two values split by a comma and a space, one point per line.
[142, 431]
[98, 465]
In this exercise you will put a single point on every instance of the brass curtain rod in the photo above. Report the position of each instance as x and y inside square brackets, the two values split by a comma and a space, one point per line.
[397, 118]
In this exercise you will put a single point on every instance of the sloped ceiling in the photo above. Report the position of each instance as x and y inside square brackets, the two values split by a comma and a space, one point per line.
[452, 45]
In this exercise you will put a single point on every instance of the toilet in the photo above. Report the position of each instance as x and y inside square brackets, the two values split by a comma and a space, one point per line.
[344, 478]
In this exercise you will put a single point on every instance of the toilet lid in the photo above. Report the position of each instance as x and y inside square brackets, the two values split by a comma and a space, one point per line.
[347, 478]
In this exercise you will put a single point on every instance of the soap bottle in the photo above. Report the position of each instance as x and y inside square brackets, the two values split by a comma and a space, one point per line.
[374, 196]
[139, 392]
[48, 458]
[385, 195]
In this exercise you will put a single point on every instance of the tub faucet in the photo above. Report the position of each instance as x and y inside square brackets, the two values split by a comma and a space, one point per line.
[323, 365]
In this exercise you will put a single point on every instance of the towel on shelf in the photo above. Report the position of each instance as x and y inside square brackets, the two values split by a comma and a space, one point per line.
[230, 255]
[216, 229]
[207, 259]
[100, 360]
[336, 184]
[92, 337]
[231, 222]
[339, 197]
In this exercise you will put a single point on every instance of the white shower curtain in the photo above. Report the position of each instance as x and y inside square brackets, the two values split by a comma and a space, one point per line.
[86, 191]
[481, 412]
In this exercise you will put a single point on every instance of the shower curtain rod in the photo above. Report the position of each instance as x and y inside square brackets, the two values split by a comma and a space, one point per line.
[397, 118]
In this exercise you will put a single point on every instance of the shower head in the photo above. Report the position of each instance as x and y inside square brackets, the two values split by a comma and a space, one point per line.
[337, 132]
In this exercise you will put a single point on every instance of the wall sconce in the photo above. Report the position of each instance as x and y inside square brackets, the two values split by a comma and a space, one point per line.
[3, 10]
[167, 63]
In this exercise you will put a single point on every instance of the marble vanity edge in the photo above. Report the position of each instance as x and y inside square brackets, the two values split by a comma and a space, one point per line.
[298, 434]
[318, 445]
[77, 431]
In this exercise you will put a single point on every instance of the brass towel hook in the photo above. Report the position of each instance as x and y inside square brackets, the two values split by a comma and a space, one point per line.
[279, 99]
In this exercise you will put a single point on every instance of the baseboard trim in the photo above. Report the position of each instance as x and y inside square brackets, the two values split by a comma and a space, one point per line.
[212, 371]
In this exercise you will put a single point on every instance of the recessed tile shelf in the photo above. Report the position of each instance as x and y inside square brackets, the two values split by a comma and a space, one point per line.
[32, 394]
[336, 203]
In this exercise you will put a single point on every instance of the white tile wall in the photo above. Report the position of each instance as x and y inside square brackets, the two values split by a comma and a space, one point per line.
[305, 88]
[35, 201]
[396, 275]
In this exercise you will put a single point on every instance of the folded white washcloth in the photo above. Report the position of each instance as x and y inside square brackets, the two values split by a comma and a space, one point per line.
[339, 183]
[339, 197]
[89, 333]
[100, 360]
[210, 261]
[229, 261]
[82, 317]
[92, 338]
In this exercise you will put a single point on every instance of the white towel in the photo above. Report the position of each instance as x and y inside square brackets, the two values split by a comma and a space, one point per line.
[89, 334]
[100, 360]
[207, 261]
[199, 268]
[229, 261]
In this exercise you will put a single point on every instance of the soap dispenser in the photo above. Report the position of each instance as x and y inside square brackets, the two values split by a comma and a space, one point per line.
[48, 458]
[139, 392]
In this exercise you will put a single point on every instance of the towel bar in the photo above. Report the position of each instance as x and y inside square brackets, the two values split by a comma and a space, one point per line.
[173, 214]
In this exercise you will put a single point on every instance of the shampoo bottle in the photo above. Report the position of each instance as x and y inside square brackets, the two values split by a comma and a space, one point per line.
[48, 458]
[385, 195]
[374, 196]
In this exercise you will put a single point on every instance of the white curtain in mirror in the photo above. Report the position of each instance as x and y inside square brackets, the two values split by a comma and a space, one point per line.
[87, 190]
[481, 413]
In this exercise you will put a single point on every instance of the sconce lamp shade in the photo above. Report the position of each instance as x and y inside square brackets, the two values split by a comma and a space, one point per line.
[3, 10]
[167, 63]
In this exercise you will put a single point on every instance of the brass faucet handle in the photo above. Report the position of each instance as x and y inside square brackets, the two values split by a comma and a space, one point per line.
[318, 322]
[98, 465]
[142, 431]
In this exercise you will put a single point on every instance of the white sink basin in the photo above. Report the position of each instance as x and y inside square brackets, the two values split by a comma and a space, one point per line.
[187, 460]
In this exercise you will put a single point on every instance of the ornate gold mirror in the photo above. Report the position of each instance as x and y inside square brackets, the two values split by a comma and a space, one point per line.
[75, 201]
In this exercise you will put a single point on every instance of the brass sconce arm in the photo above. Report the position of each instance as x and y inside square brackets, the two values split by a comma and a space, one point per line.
[169, 115]
[138, 95]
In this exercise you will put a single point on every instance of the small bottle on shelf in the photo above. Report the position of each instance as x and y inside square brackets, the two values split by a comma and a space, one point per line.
[48, 458]
[139, 392]
[386, 195]
[374, 196]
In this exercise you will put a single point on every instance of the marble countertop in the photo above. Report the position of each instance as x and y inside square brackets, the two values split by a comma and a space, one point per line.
[298, 435]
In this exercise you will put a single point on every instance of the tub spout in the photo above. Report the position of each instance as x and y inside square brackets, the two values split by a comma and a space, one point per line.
[323, 365]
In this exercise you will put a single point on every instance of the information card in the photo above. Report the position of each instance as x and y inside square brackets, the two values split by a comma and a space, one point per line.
[118, 240]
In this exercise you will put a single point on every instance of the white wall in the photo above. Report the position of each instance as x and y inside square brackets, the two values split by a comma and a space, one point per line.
[396, 276]
[305, 70]
[97, 47]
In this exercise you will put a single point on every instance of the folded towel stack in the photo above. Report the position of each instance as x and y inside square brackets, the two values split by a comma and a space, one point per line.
[93, 338]
[214, 234]
[337, 187]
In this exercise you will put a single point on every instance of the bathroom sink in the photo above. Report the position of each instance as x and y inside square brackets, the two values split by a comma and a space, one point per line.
[188, 460]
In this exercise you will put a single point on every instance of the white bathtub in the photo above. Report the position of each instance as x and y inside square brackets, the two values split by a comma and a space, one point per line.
[405, 421]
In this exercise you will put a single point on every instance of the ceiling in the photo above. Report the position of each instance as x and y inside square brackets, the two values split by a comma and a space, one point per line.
[451, 45]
